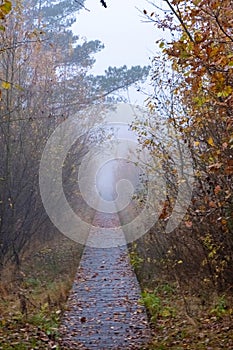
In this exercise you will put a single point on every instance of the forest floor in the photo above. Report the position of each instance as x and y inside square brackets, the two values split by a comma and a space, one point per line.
[32, 305]
[179, 320]
[181, 316]
[31, 308]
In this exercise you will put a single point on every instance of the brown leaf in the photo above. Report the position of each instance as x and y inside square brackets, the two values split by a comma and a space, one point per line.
[83, 319]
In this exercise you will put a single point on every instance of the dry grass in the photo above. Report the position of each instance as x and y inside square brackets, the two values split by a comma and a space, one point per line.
[33, 298]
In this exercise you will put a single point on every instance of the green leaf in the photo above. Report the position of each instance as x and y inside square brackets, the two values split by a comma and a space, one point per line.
[161, 45]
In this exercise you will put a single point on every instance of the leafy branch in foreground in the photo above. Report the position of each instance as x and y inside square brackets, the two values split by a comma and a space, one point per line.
[194, 94]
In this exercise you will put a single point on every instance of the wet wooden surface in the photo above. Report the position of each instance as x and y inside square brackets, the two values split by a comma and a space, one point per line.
[103, 310]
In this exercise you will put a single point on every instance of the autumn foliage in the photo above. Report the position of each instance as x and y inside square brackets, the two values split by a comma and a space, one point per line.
[199, 83]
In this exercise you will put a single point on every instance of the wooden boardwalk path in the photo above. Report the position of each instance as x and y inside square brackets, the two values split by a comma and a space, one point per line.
[103, 309]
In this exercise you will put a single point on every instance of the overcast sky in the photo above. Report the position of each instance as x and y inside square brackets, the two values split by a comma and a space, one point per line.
[127, 40]
[121, 29]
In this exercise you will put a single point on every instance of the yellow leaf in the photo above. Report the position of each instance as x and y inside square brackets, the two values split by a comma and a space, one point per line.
[166, 313]
[210, 141]
[5, 8]
[224, 222]
[18, 87]
[6, 85]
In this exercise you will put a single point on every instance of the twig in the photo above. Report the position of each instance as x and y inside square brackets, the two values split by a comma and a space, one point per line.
[78, 2]
[103, 3]
[180, 19]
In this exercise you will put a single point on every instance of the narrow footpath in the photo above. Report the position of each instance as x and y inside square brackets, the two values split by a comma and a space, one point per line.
[103, 310]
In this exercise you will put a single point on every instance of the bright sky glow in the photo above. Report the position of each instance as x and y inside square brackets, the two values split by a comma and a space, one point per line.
[126, 38]
[122, 29]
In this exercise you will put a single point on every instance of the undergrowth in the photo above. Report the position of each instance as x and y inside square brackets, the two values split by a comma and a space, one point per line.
[31, 306]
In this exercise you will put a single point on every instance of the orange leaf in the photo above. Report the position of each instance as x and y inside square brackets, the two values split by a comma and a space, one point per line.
[217, 189]
[188, 224]
[212, 204]
[210, 141]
